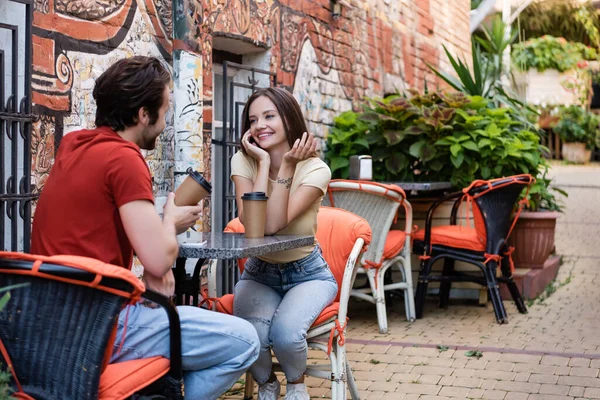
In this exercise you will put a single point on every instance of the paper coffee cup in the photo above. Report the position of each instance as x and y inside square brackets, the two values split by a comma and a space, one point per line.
[255, 214]
[193, 189]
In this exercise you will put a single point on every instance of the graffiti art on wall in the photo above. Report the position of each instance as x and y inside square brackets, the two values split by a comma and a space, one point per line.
[74, 41]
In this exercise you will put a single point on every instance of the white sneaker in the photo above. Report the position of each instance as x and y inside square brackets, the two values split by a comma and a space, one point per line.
[296, 392]
[269, 391]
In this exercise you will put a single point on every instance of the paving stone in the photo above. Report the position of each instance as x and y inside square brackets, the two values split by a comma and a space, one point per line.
[461, 392]
[494, 394]
[522, 377]
[543, 378]
[579, 362]
[417, 388]
[576, 391]
[498, 375]
[430, 379]
[589, 372]
[516, 396]
[559, 390]
[553, 360]
[524, 387]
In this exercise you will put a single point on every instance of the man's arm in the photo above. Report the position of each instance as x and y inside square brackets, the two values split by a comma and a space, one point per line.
[155, 241]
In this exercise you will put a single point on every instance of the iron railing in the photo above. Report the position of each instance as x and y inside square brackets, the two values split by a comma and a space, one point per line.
[15, 136]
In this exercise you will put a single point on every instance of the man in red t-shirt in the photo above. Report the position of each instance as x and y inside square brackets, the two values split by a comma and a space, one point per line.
[98, 202]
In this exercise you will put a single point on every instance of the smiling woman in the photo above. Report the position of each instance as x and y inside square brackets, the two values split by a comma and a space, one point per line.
[279, 158]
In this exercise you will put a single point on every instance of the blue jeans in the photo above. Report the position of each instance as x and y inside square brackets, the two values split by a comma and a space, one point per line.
[282, 301]
[216, 348]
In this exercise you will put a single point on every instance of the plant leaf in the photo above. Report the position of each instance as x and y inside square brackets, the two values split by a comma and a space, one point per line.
[339, 162]
[455, 149]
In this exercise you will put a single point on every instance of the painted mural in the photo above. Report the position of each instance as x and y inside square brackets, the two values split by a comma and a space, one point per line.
[330, 64]
[73, 43]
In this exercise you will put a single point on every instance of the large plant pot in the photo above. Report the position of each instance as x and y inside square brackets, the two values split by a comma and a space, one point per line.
[576, 153]
[533, 238]
[549, 87]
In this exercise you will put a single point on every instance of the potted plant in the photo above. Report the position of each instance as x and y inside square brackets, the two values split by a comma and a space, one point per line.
[415, 137]
[553, 70]
[578, 130]
[533, 235]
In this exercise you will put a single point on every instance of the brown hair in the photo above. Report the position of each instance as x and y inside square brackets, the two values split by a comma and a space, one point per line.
[288, 109]
[125, 87]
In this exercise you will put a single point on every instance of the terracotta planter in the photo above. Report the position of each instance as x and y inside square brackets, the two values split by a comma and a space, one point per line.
[576, 153]
[533, 238]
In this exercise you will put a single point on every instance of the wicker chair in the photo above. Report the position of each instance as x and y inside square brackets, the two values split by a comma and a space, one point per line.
[343, 237]
[379, 204]
[484, 245]
[58, 329]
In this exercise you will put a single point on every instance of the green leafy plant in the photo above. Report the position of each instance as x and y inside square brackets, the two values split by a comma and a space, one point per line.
[474, 353]
[543, 196]
[415, 137]
[486, 75]
[549, 52]
[577, 125]
[571, 19]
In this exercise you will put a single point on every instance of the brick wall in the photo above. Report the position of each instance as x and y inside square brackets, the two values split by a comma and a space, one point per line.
[330, 64]
[374, 47]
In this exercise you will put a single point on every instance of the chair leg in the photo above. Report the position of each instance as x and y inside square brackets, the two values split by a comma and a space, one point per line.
[445, 286]
[422, 288]
[494, 292]
[409, 295]
[379, 295]
[249, 386]
[351, 382]
[512, 286]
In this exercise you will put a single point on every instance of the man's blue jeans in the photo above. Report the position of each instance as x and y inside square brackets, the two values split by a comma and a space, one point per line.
[216, 348]
[282, 301]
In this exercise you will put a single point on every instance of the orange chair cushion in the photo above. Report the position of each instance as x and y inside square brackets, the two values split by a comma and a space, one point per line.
[394, 243]
[121, 380]
[456, 236]
[225, 305]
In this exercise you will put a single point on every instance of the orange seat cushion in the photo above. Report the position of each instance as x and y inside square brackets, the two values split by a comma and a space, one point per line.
[456, 236]
[225, 305]
[121, 380]
[394, 243]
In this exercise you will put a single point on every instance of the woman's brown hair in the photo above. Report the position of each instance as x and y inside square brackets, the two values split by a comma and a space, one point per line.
[288, 109]
[125, 87]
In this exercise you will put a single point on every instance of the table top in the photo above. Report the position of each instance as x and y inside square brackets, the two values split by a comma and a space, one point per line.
[225, 246]
[423, 186]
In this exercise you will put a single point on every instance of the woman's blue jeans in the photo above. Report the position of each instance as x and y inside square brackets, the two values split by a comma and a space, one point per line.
[282, 301]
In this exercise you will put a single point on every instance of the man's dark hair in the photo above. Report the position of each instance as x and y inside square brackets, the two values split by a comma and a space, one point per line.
[125, 87]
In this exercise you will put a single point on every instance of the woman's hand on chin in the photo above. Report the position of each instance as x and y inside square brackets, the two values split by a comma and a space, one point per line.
[253, 149]
[303, 149]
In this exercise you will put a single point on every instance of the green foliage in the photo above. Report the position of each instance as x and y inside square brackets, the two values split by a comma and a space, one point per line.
[549, 52]
[577, 125]
[485, 77]
[543, 195]
[417, 137]
[570, 19]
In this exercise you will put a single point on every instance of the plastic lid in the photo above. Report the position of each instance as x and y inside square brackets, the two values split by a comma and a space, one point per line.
[255, 196]
[200, 179]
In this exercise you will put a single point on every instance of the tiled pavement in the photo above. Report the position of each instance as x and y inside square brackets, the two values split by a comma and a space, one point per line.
[553, 352]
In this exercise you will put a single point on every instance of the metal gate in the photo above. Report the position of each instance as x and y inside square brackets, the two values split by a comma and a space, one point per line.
[235, 93]
[15, 127]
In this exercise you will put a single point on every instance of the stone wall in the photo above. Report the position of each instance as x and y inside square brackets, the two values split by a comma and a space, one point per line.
[330, 64]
